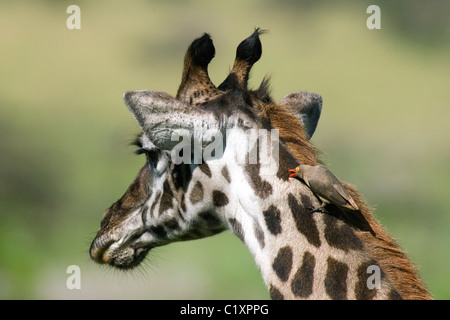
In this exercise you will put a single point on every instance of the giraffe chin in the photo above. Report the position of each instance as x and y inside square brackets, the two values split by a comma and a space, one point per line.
[128, 258]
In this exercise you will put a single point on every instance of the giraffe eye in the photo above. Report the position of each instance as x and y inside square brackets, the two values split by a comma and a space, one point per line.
[151, 155]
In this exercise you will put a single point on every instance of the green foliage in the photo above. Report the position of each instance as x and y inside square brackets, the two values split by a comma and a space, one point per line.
[64, 130]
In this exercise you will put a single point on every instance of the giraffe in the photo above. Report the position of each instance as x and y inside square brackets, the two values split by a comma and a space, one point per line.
[300, 253]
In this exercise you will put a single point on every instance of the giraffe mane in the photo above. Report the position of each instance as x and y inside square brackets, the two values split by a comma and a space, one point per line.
[291, 133]
[393, 260]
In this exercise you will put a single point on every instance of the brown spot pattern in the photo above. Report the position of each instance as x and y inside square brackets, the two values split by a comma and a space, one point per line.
[166, 198]
[336, 279]
[226, 174]
[155, 202]
[304, 221]
[236, 227]
[302, 283]
[339, 235]
[272, 216]
[362, 292]
[275, 294]
[259, 233]
[196, 193]
[212, 221]
[220, 199]
[262, 188]
[205, 169]
[282, 264]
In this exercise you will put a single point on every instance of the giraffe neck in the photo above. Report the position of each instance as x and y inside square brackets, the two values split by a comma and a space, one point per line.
[301, 254]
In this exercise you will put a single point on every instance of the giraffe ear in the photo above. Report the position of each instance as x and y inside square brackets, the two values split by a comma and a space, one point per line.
[164, 119]
[307, 106]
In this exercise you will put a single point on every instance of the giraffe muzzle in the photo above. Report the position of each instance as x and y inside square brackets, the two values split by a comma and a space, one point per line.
[125, 253]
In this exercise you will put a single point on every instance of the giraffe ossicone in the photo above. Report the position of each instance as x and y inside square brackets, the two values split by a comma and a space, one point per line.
[301, 254]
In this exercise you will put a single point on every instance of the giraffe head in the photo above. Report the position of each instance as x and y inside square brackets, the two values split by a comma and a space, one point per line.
[198, 146]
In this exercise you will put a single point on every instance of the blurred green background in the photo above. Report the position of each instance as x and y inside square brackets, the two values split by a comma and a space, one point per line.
[65, 132]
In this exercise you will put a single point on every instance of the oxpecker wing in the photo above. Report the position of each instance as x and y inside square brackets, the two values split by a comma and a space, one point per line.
[324, 184]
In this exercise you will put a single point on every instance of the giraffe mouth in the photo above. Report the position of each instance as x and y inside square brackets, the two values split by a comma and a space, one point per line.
[125, 253]
[129, 258]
